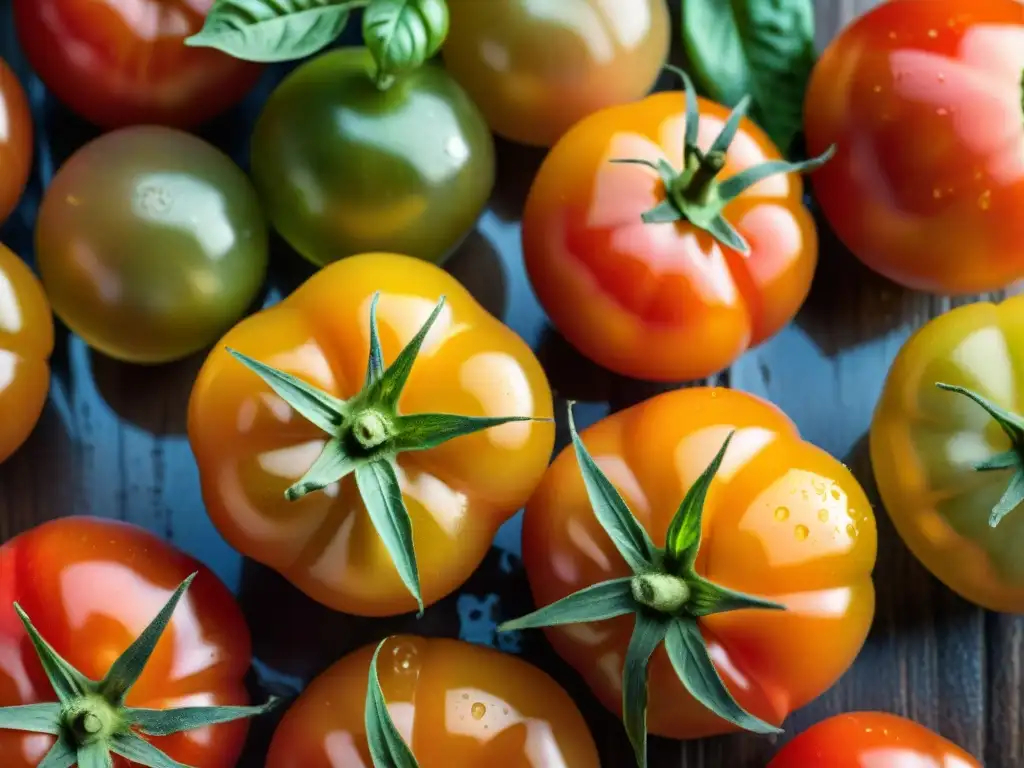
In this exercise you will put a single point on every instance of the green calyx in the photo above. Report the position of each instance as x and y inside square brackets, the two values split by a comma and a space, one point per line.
[387, 748]
[1011, 460]
[367, 433]
[665, 594]
[695, 193]
[90, 720]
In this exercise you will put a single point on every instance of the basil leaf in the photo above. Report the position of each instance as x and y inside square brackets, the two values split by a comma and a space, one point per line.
[648, 633]
[764, 48]
[606, 600]
[387, 748]
[273, 30]
[402, 34]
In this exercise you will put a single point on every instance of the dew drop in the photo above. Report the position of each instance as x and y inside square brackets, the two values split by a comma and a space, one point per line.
[985, 200]
[823, 515]
[782, 514]
[478, 710]
[877, 89]
[933, 33]
[836, 494]
[465, 695]
[942, 77]
[504, 710]
[937, 193]
[403, 655]
[801, 532]
[851, 530]
[892, 35]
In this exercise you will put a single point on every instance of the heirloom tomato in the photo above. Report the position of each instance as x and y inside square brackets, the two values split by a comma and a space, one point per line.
[90, 588]
[871, 740]
[779, 518]
[26, 341]
[15, 140]
[344, 166]
[537, 68]
[663, 274]
[454, 704]
[124, 62]
[351, 545]
[947, 446]
[151, 243]
[923, 100]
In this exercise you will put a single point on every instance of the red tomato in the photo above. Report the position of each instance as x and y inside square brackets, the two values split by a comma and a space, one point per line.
[923, 100]
[871, 740]
[15, 141]
[124, 62]
[90, 587]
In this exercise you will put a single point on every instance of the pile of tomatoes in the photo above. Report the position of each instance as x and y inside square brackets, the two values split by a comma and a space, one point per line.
[700, 566]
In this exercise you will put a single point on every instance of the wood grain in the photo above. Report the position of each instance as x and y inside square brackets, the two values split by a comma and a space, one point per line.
[112, 443]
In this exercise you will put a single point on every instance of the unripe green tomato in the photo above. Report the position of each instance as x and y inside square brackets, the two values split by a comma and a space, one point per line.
[344, 167]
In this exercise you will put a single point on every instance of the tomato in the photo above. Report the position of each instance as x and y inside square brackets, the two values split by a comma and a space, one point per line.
[251, 446]
[454, 704]
[124, 62]
[26, 341]
[926, 443]
[870, 740]
[923, 100]
[90, 587]
[15, 140]
[151, 243]
[667, 300]
[536, 69]
[782, 520]
[343, 167]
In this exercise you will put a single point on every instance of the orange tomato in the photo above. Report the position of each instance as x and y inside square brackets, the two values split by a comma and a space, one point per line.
[15, 140]
[783, 520]
[926, 443]
[923, 100]
[26, 341]
[664, 301]
[251, 446]
[455, 704]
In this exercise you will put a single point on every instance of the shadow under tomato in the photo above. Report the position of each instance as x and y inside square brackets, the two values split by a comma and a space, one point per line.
[517, 167]
[477, 264]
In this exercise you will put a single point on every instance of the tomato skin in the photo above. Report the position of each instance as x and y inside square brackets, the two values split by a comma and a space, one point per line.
[250, 446]
[870, 739]
[26, 341]
[923, 100]
[343, 167]
[924, 443]
[90, 587]
[783, 520]
[15, 141]
[662, 301]
[536, 69]
[435, 689]
[124, 62]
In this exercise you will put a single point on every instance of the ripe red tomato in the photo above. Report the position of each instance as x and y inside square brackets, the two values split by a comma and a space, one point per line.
[124, 62]
[90, 587]
[923, 100]
[15, 140]
[871, 740]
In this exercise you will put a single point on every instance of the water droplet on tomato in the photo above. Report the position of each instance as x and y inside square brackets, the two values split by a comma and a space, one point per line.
[782, 514]
[836, 493]
[851, 530]
[403, 657]
[823, 515]
[801, 532]
[985, 200]
[933, 33]
[479, 710]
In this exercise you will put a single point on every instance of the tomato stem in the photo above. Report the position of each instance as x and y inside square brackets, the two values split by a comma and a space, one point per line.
[371, 429]
[662, 592]
[698, 187]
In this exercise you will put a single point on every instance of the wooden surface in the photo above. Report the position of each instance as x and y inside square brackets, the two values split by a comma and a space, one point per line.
[112, 443]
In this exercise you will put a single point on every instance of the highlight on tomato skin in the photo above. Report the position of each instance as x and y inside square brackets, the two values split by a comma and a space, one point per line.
[16, 141]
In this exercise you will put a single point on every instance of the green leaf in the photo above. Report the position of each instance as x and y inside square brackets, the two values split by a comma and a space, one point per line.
[388, 389]
[273, 30]
[692, 114]
[382, 495]
[97, 755]
[664, 212]
[61, 755]
[1010, 459]
[422, 431]
[1009, 422]
[387, 748]
[141, 752]
[647, 636]
[1012, 499]
[615, 517]
[764, 48]
[127, 669]
[599, 602]
[330, 466]
[707, 598]
[725, 137]
[744, 180]
[689, 656]
[682, 542]
[726, 234]
[322, 409]
[68, 683]
[375, 365]
[402, 34]
[33, 718]
[164, 722]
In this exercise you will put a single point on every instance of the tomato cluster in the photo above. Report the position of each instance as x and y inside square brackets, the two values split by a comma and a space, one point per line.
[701, 566]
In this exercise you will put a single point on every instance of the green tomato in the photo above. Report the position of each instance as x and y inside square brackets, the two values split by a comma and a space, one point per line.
[344, 167]
[151, 243]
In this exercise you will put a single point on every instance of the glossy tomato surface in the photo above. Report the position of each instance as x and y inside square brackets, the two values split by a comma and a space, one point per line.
[871, 740]
[151, 243]
[923, 101]
[783, 520]
[343, 167]
[16, 144]
[26, 341]
[454, 703]
[536, 68]
[925, 443]
[124, 62]
[251, 446]
[662, 301]
[90, 587]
